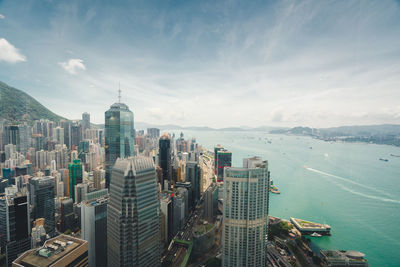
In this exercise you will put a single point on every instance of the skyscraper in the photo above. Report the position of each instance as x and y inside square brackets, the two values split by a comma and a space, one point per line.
[133, 220]
[42, 198]
[165, 158]
[119, 136]
[94, 230]
[75, 176]
[85, 123]
[59, 135]
[224, 159]
[245, 215]
[14, 225]
[193, 175]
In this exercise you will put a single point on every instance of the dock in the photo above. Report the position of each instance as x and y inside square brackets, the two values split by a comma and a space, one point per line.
[307, 227]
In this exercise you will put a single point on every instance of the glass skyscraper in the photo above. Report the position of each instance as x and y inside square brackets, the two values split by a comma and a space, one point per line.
[119, 136]
[245, 215]
[133, 215]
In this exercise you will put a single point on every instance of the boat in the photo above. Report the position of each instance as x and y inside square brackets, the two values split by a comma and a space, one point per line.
[273, 189]
[315, 234]
[383, 159]
[393, 155]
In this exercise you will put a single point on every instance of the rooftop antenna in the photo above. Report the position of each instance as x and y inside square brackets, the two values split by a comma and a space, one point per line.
[119, 92]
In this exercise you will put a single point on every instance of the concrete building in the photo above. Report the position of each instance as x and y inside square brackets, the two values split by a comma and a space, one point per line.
[41, 191]
[15, 227]
[133, 219]
[245, 215]
[94, 230]
[193, 175]
[211, 203]
[342, 258]
[61, 251]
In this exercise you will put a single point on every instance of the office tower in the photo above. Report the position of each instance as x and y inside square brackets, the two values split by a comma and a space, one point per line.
[211, 203]
[76, 134]
[188, 187]
[119, 136]
[178, 202]
[193, 175]
[12, 135]
[94, 230]
[66, 125]
[153, 132]
[245, 215]
[184, 192]
[14, 225]
[80, 192]
[75, 176]
[85, 122]
[24, 138]
[164, 158]
[59, 135]
[224, 159]
[67, 215]
[65, 178]
[167, 219]
[42, 198]
[216, 149]
[60, 251]
[133, 220]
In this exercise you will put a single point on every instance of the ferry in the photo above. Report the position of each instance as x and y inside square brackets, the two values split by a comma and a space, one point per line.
[383, 159]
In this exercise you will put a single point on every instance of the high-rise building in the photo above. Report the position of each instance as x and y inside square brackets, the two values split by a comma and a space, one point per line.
[119, 136]
[75, 176]
[42, 198]
[133, 220]
[245, 215]
[193, 175]
[14, 225]
[60, 251]
[97, 175]
[211, 203]
[224, 159]
[216, 149]
[76, 134]
[67, 215]
[153, 132]
[94, 230]
[164, 158]
[59, 135]
[85, 123]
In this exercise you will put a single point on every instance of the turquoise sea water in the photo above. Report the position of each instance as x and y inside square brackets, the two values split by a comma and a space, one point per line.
[342, 184]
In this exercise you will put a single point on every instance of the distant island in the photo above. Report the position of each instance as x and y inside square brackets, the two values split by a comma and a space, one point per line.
[388, 134]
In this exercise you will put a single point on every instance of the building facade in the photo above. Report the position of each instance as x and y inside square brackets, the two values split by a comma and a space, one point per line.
[245, 215]
[119, 136]
[133, 215]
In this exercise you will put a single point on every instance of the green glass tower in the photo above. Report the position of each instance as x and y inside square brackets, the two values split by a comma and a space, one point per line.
[75, 176]
[119, 136]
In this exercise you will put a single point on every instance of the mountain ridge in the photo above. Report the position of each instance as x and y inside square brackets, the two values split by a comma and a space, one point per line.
[18, 106]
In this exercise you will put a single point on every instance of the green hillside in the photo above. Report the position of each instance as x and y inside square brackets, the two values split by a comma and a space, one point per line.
[17, 106]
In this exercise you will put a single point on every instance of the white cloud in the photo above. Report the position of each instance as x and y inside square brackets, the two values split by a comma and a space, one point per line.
[2, 16]
[9, 53]
[73, 65]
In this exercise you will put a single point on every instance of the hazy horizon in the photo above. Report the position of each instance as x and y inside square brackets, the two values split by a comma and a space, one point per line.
[281, 63]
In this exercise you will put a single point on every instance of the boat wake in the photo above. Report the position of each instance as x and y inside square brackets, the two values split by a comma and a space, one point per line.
[358, 184]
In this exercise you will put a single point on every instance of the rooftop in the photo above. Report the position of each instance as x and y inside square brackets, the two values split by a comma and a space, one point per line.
[53, 250]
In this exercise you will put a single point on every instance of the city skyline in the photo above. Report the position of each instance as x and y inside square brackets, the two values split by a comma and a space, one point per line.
[310, 63]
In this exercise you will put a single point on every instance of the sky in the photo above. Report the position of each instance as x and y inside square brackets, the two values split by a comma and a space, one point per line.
[208, 63]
